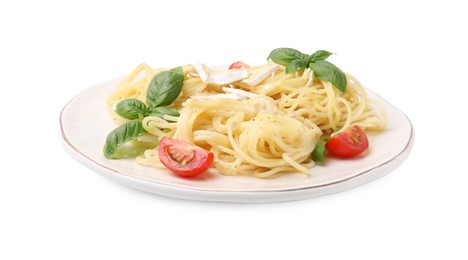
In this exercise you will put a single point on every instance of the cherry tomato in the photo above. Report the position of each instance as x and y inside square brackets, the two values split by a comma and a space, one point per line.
[348, 142]
[239, 65]
[184, 159]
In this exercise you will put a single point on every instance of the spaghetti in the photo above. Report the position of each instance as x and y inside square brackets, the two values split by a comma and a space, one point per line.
[267, 129]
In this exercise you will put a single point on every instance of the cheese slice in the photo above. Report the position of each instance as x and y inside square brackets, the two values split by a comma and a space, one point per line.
[220, 75]
[220, 96]
[241, 93]
[258, 74]
[257, 101]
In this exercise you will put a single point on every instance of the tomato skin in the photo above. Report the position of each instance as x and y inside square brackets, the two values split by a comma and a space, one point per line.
[348, 142]
[239, 65]
[184, 159]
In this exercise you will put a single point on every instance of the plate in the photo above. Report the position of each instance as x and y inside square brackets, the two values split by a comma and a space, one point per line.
[85, 123]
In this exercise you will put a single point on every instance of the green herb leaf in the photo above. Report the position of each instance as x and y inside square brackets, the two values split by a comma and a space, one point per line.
[319, 55]
[161, 111]
[179, 70]
[120, 136]
[325, 70]
[318, 155]
[336, 130]
[285, 56]
[296, 65]
[165, 87]
[130, 150]
[131, 109]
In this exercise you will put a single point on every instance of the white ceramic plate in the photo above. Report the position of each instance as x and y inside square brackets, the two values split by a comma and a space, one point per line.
[85, 123]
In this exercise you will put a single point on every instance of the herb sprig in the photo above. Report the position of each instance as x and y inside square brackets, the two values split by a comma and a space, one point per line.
[318, 155]
[295, 60]
[320, 150]
[163, 90]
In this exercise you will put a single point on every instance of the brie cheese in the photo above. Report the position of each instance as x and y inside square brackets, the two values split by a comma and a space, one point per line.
[219, 75]
[258, 74]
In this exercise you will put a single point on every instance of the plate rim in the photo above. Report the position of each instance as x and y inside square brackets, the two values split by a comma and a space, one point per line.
[94, 165]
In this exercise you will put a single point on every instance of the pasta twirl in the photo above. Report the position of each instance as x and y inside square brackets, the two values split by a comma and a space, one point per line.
[268, 129]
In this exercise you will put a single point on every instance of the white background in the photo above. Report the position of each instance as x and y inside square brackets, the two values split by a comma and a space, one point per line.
[413, 53]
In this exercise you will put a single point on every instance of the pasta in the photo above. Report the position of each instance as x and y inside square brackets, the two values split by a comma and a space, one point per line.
[263, 130]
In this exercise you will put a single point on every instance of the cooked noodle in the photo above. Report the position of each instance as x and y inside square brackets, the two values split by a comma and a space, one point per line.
[272, 130]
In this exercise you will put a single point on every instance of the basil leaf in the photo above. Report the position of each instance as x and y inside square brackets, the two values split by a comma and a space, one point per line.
[296, 65]
[130, 150]
[131, 109]
[285, 56]
[319, 55]
[336, 130]
[325, 70]
[161, 111]
[120, 136]
[318, 155]
[165, 87]
[178, 70]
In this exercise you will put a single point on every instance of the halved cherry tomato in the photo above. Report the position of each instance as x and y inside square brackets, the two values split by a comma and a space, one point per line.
[239, 65]
[348, 142]
[184, 159]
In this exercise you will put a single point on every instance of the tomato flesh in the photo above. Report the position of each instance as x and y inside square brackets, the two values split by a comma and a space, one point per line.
[348, 142]
[239, 65]
[184, 159]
